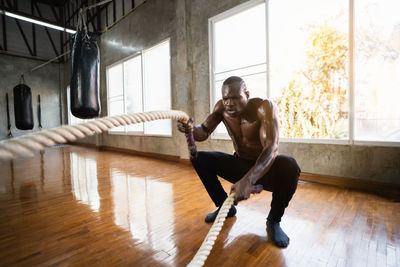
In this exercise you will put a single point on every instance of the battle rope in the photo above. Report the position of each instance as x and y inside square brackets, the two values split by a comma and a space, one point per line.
[25, 146]
[208, 243]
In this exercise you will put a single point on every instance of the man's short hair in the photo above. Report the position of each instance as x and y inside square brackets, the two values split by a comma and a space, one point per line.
[235, 79]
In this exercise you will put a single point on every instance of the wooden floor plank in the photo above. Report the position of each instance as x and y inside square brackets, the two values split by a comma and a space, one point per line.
[76, 206]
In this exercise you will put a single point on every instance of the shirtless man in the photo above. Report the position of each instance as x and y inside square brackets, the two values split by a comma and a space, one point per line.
[253, 127]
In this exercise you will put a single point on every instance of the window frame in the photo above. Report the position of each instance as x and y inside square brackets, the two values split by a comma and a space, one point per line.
[122, 61]
[351, 140]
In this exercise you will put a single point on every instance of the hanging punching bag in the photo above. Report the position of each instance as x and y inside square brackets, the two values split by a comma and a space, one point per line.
[23, 107]
[85, 76]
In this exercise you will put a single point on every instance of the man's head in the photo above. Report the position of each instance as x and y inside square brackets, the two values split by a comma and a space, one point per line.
[234, 95]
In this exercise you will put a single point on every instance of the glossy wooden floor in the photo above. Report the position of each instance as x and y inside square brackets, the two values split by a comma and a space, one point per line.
[77, 206]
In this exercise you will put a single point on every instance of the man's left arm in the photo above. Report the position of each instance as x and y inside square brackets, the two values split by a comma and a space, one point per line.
[269, 137]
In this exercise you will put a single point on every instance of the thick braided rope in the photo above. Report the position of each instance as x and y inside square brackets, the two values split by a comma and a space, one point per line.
[25, 145]
[208, 243]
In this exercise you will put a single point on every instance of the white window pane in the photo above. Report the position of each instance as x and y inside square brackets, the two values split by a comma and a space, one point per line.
[308, 67]
[217, 93]
[117, 108]
[256, 84]
[254, 77]
[116, 98]
[158, 127]
[157, 87]
[243, 72]
[377, 70]
[114, 81]
[240, 39]
[133, 90]
[221, 129]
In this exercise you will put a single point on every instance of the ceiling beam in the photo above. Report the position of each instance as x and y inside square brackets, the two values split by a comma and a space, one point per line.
[61, 13]
[3, 24]
[33, 32]
[24, 37]
[53, 10]
[114, 11]
[47, 31]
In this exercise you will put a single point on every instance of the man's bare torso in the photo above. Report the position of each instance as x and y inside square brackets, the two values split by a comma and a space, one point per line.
[244, 130]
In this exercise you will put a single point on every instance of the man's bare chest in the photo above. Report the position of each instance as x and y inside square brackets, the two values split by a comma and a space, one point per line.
[243, 128]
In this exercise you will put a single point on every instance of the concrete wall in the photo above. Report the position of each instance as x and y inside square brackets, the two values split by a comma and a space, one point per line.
[45, 81]
[150, 24]
[185, 22]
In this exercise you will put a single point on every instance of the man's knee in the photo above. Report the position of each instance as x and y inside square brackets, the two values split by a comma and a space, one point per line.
[204, 161]
[201, 158]
[288, 168]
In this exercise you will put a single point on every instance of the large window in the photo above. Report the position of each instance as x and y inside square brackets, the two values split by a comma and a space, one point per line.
[377, 70]
[240, 49]
[141, 83]
[331, 66]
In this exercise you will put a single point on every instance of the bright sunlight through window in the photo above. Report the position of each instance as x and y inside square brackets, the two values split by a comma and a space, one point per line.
[139, 84]
[301, 58]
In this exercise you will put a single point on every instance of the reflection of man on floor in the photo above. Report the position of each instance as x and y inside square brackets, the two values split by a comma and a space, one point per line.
[254, 129]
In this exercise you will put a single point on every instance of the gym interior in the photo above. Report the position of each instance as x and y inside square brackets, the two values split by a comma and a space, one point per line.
[129, 195]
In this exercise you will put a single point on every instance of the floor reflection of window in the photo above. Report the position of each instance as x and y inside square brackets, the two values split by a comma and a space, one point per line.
[145, 208]
[84, 181]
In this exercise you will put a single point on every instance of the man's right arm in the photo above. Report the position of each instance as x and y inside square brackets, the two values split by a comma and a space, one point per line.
[203, 130]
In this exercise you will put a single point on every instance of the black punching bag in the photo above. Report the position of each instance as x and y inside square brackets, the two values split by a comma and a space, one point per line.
[85, 76]
[23, 107]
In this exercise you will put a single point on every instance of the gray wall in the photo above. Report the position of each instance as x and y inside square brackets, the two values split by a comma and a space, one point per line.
[45, 81]
[150, 24]
[185, 22]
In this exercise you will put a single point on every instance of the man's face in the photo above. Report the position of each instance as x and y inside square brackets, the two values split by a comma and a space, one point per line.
[234, 98]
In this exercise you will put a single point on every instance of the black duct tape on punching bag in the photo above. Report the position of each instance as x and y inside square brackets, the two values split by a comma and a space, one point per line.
[23, 107]
[85, 76]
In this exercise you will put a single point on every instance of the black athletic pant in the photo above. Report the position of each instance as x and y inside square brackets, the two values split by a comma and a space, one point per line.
[281, 179]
